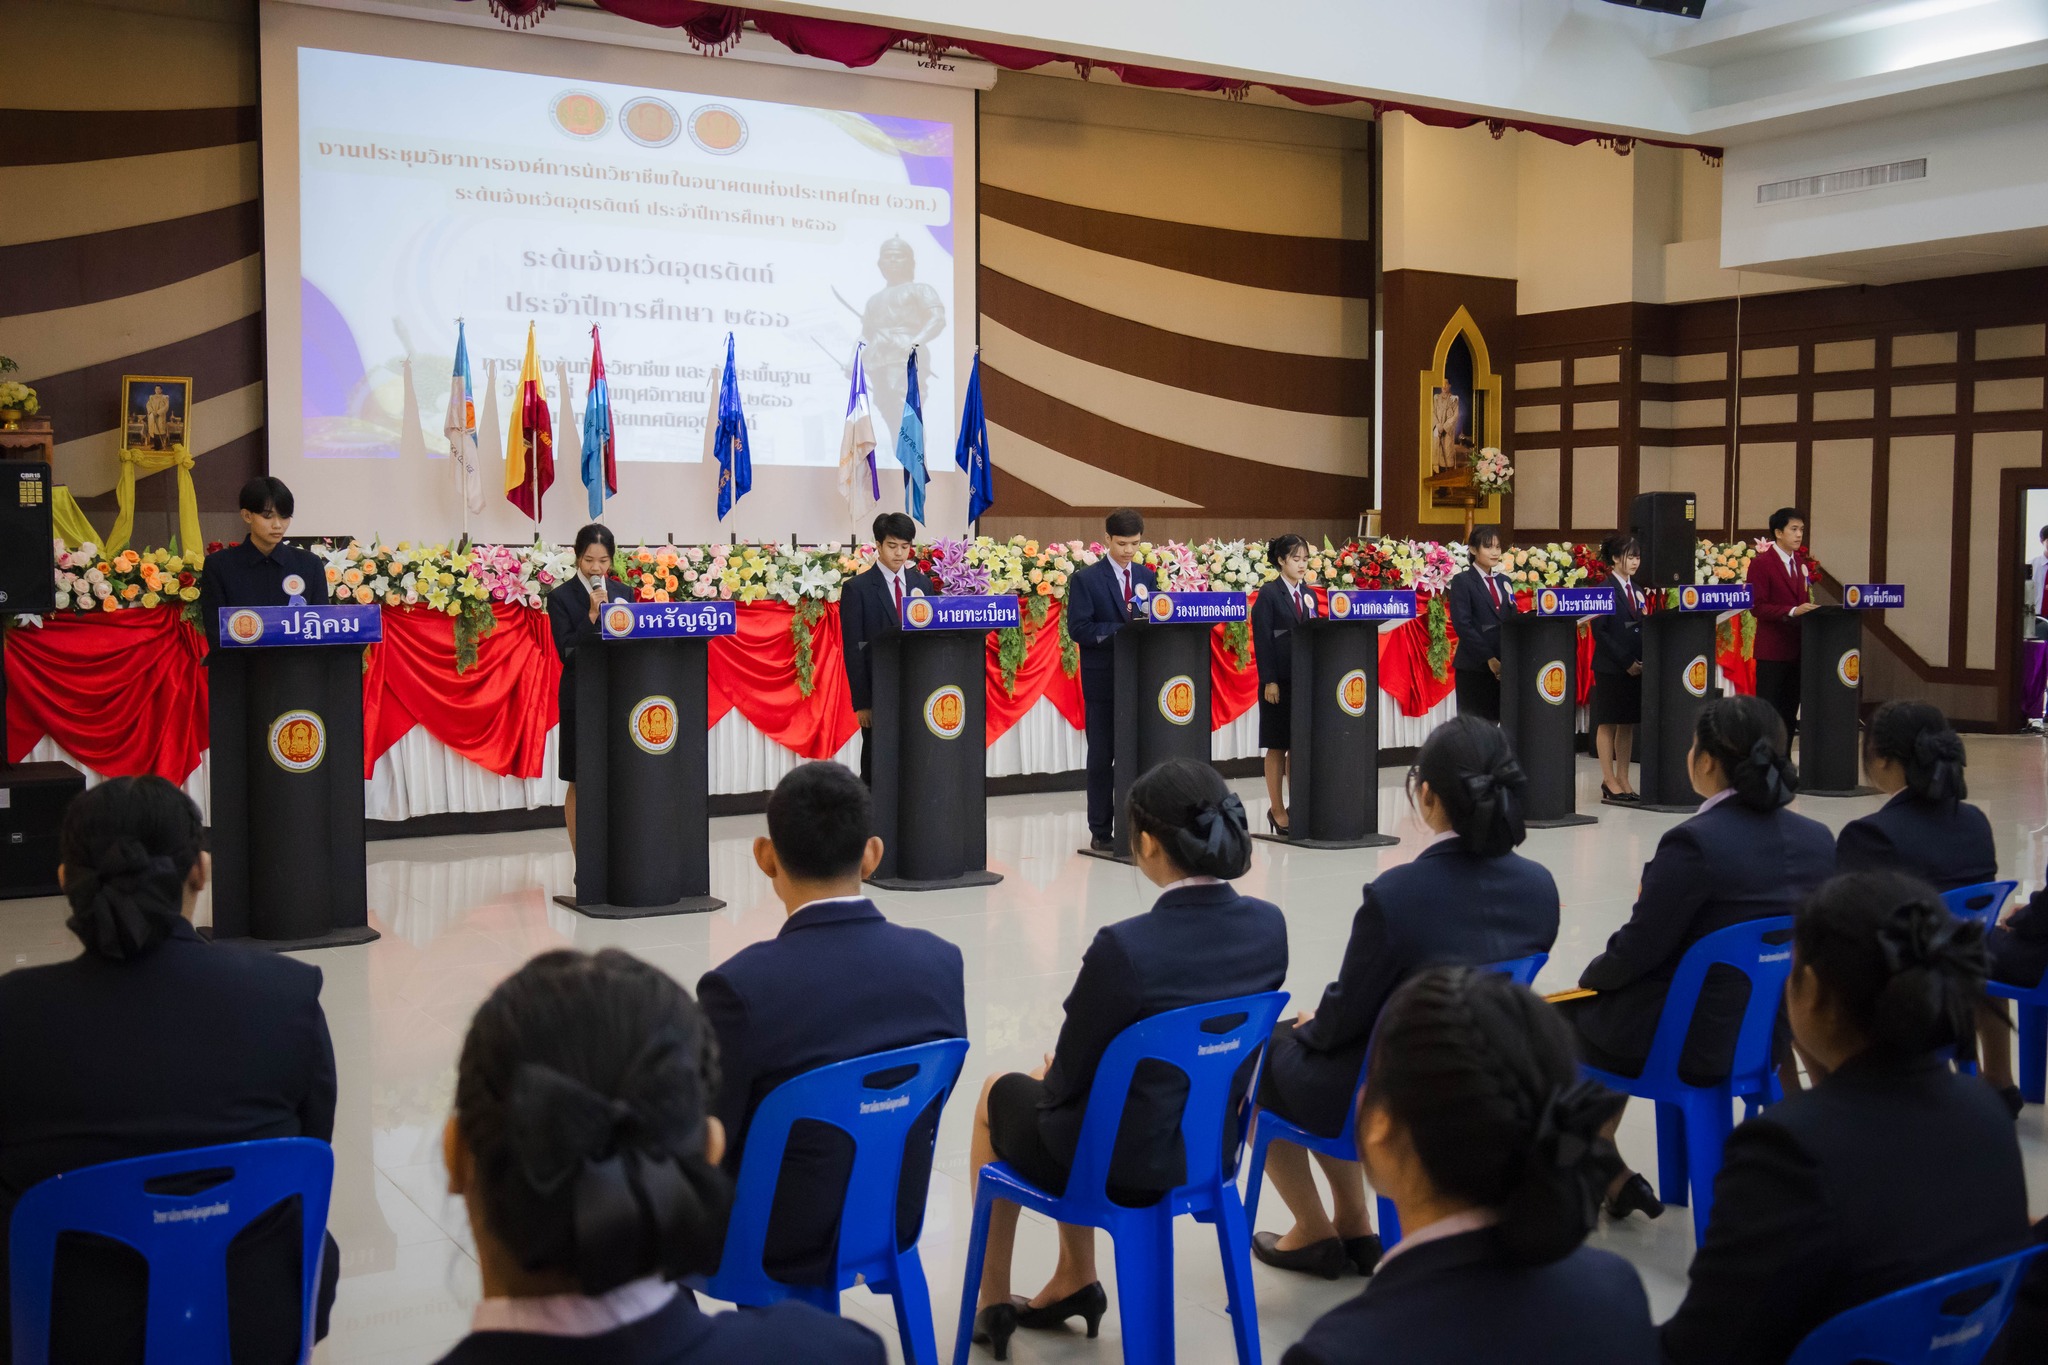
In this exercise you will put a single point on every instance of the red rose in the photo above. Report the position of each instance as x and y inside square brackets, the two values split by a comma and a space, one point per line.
[186, 580]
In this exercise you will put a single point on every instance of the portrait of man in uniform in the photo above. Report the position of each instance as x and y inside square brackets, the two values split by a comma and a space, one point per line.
[902, 314]
[155, 412]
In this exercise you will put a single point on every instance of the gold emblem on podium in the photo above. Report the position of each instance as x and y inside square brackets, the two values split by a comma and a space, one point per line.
[245, 626]
[652, 723]
[1353, 692]
[1177, 699]
[1696, 675]
[1849, 668]
[1550, 682]
[298, 741]
[945, 712]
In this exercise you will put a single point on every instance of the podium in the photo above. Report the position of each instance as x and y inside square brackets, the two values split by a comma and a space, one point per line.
[642, 799]
[930, 732]
[1831, 690]
[1539, 699]
[285, 709]
[1333, 763]
[1678, 678]
[1162, 691]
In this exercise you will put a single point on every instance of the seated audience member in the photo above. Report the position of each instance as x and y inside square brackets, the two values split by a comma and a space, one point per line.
[2019, 957]
[1476, 1124]
[1201, 941]
[1741, 856]
[838, 982]
[1892, 1169]
[583, 1146]
[151, 1040]
[1927, 829]
[1468, 899]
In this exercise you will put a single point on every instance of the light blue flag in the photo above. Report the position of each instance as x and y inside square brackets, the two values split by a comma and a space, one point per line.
[729, 441]
[910, 447]
[600, 455]
[971, 454]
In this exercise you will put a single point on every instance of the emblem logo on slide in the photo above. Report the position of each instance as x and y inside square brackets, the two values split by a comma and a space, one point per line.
[1177, 699]
[945, 712]
[298, 741]
[618, 619]
[580, 114]
[718, 129]
[246, 626]
[1849, 668]
[1689, 598]
[1549, 601]
[917, 612]
[652, 724]
[1353, 693]
[1852, 596]
[1696, 675]
[1551, 680]
[649, 121]
[1340, 605]
[1162, 607]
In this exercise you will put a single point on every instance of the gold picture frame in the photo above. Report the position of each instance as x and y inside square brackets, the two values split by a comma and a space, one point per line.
[148, 424]
[1460, 415]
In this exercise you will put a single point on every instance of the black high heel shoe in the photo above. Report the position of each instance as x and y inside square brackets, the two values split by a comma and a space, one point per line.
[1326, 1258]
[1273, 823]
[1635, 1196]
[1088, 1303]
[994, 1326]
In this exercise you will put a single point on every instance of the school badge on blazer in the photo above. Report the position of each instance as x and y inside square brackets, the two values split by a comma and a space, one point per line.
[1177, 699]
[1353, 692]
[945, 712]
[1696, 675]
[1550, 682]
[1849, 668]
[245, 626]
[652, 724]
[298, 741]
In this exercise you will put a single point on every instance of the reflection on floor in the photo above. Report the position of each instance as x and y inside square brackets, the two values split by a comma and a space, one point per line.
[459, 913]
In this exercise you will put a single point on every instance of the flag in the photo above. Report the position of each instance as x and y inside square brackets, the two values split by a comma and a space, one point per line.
[490, 435]
[910, 447]
[971, 453]
[412, 438]
[568, 432]
[460, 428]
[600, 449]
[858, 482]
[530, 439]
[729, 439]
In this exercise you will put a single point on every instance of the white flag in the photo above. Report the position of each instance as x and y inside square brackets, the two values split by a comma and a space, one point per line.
[568, 431]
[459, 426]
[858, 483]
[488, 432]
[412, 437]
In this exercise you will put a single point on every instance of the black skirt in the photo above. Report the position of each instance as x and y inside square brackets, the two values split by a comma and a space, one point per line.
[1276, 719]
[1288, 1085]
[1617, 699]
[1013, 1106]
[565, 731]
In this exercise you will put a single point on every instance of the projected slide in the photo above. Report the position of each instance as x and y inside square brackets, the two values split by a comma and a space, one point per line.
[431, 192]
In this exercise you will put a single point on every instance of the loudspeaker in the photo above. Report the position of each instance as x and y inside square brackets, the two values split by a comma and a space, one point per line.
[1665, 525]
[32, 801]
[28, 561]
[1684, 9]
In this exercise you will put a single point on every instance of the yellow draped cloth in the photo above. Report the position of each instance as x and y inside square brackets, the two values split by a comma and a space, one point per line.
[70, 520]
[137, 464]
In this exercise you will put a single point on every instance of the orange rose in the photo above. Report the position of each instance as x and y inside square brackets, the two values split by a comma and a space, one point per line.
[1045, 589]
[364, 595]
[661, 594]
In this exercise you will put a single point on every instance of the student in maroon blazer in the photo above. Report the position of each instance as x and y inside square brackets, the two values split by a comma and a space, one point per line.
[1778, 597]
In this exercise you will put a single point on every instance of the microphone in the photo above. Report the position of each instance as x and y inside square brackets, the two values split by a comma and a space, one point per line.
[596, 582]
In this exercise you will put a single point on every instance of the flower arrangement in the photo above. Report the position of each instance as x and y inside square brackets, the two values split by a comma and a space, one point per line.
[1590, 564]
[1552, 565]
[16, 396]
[89, 581]
[1714, 563]
[1492, 472]
[1370, 567]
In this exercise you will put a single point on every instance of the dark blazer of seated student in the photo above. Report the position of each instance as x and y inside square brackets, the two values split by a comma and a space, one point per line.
[1892, 1169]
[583, 1146]
[1743, 856]
[1476, 1124]
[1927, 828]
[838, 982]
[1468, 899]
[152, 1040]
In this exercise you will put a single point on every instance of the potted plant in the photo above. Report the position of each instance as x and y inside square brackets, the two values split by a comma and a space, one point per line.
[17, 400]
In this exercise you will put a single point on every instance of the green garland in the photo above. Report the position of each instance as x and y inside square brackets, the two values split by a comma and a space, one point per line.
[802, 622]
[1013, 643]
[1070, 653]
[1238, 636]
[472, 622]
[1437, 617]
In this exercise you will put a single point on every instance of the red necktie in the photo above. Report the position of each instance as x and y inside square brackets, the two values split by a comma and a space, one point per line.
[1493, 586]
[896, 583]
[1296, 593]
[1125, 574]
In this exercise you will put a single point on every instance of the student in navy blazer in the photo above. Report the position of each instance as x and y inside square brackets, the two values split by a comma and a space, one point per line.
[1927, 828]
[1475, 1123]
[1101, 600]
[572, 622]
[584, 1149]
[1618, 670]
[1467, 899]
[870, 609]
[1282, 604]
[1742, 856]
[1481, 598]
[1201, 941]
[838, 982]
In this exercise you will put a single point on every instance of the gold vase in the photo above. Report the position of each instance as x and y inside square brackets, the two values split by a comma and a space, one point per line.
[10, 419]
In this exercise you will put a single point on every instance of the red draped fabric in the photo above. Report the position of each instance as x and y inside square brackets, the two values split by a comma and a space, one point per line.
[123, 691]
[1034, 675]
[497, 714]
[1232, 690]
[1404, 668]
[755, 671]
[1740, 672]
[1585, 663]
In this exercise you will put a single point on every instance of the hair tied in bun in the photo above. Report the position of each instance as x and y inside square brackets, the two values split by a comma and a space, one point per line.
[1568, 1129]
[1219, 824]
[1763, 757]
[127, 902]
[1909, 937]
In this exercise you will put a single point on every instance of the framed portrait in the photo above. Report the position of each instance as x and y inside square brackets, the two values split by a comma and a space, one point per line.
[156, 412]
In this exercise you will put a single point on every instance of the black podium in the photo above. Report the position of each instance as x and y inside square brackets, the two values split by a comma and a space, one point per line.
[929, 731]
[1539, 699]
[1678, 681]
[1162, 691]
[1831, 690]
[642, 783]
[285, 712]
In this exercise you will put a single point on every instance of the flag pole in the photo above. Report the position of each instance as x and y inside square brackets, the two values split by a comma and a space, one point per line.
[461, 459]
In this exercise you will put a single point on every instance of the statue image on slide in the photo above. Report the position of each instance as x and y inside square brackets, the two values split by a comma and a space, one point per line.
[1443, 429]
[902, 314]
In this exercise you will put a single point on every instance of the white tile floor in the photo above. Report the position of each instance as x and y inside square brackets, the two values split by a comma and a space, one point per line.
[460, 913]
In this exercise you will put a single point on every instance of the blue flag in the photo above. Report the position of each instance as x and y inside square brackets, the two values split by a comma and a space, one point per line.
[729, 439]
[910, 447]
[971, 454]
[600, 455]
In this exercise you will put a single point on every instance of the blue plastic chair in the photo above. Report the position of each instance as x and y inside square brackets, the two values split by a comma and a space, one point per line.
[2033, 1034]
[1144, 1236]
[184, 1237]
[1909, 1326]
[1271, 1128]
[1980, 903]
[1693, 1122]
[878, 1119]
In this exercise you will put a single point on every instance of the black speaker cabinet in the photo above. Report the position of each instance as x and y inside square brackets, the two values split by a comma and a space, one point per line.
[32, 801]
[28, 561]
[1666, 526]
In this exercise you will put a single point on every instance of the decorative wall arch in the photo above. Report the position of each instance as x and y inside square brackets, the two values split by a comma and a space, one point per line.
[1461, 371]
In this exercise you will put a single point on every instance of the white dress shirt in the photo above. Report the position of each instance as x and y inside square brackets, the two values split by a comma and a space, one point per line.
[574, 1315]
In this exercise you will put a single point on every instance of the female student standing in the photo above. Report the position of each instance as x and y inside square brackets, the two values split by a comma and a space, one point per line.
[572, 618]
[1618, 670]
[1468, 898]
[1480, 599]
[1281, 604]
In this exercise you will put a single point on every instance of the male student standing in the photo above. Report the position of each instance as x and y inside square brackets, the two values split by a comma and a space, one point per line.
[261, 570]
[871, 609]
[1101, 600]
[1778, 596]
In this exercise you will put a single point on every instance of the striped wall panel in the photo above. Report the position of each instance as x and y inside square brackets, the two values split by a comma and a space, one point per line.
[131, 235]
[1176, 308]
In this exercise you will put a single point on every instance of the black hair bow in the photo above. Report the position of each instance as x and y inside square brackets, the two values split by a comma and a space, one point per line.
[1568, 1128]
[1221, 827]
[126, 903]
[1763, 756]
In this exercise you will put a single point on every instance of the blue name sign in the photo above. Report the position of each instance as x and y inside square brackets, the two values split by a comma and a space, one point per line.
[1573, 601]
[1873, 596]
[1357, 604]
[271, 627]
[1193, 608]
[1713, 597]
[667, 620]
[992, 612]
